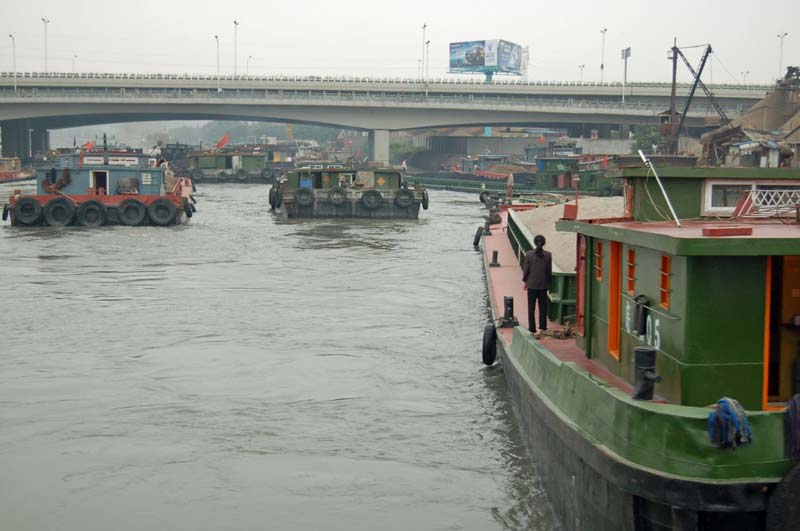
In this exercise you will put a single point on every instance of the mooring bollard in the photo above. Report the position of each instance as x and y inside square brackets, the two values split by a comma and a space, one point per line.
[508, 320]
[494, 262]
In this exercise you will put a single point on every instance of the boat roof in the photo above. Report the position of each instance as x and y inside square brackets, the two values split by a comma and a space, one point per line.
[751, 237]
[715, 173]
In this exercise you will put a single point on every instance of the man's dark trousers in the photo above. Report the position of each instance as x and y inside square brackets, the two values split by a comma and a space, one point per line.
[541, 296]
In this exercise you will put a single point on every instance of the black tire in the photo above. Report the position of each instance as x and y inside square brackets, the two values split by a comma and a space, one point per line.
[187, 207]
[131, 212]
[337, 195]
[425, 200]
[242, 175]
[27, 211]
[5, 212]
[162, 212]
[58, 212]
[272, 197]
[197, 175]
[476, 241]
[371, 199]
[92, 213]
[489, 350]
[304, 197]
[484, 195]
[783, 510]
[278, 198]
[404, 198]
[194, 208]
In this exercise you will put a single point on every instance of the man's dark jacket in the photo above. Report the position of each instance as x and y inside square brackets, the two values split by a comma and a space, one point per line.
[537, 270]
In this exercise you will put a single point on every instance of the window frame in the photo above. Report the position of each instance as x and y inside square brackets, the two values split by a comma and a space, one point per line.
[708, 195]
[630, 276]
[665, 281]
[598, 260]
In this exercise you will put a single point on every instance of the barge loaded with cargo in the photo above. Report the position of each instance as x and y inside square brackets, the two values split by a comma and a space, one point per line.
[322, 189]
[630, 404]
[98, 188]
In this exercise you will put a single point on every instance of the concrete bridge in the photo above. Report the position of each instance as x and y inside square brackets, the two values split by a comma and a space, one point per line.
[32, 103]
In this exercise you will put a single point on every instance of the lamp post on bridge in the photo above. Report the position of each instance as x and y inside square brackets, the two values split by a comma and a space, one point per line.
[247, 65]
[603, 53]
[74, 59]
[235, 44]
[422, 67]
[219, 89]
[781, 36]
[427, 59]
[46, 22]
[14, 52]
[580, 67]
[626, 52]
[744, 77]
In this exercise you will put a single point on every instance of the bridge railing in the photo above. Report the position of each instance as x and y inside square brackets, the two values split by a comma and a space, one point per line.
[344, 97]
[7, 76]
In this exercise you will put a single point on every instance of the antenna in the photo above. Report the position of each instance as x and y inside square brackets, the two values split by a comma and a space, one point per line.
[652, 168]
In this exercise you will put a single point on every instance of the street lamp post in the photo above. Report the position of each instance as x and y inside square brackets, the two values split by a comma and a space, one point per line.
[235, 44]
[422, 67]
[14, 52]
[580, 67]
[781, 36]
[74, 59]
[46, 22]
[744, 77]
[247, 65]
[427, 59]
[603, 53]
[219, 89]
[626, 52]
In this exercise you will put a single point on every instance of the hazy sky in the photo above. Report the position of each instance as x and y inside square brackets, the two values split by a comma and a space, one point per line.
[384, 38]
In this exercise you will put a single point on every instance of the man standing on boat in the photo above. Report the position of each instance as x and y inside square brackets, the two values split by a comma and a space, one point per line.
[536, 274]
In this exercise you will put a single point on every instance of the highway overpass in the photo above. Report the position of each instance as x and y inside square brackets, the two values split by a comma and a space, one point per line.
[33, 103]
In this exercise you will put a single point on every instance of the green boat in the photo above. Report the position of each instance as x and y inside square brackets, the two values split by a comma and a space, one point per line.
[330, 190]
[679, 314]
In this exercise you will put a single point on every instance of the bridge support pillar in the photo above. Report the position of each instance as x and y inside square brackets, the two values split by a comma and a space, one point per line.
[16, 139]
[379, 146]
[40, 143]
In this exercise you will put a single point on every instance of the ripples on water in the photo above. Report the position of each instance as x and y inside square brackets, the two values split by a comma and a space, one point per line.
[244, 373]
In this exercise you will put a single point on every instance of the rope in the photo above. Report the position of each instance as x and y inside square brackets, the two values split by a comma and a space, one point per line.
[728, 426]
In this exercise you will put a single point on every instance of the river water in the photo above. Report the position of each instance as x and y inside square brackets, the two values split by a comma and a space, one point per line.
[243, 373]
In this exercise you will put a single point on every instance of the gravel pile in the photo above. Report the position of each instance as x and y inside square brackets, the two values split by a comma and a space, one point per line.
[562, 244]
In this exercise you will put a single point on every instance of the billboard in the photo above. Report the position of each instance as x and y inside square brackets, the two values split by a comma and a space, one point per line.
[485, 56]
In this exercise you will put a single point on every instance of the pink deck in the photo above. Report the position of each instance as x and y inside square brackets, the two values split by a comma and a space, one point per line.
[506, 280]
[768, 228]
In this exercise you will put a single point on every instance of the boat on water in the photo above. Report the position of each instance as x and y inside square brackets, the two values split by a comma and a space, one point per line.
[323, 189]
[662, 323]
[11, 170]
[98, 188]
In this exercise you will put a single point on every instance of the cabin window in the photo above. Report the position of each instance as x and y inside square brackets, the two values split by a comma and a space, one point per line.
[665, 275]
[98, 180]
[721, 197]
[598, 260]
[630, 277]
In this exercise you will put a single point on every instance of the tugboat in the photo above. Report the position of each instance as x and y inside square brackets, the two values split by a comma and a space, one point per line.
[321, 189]
[675, 310]
[103, 188]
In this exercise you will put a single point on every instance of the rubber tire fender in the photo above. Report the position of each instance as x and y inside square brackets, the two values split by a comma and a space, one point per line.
[489, 349]
[337, 195]
[371, 199]
[91, 213]
[162, 212]
[476, 241]
[783, 508]
[187, 207]
[5, 212]
[304, 197]
[131, 212]
[484, 195]
[58, 212]
[27, 211]
[242, 174]
[278, 198]
[272, 192]
[425, 200]
[404, 198]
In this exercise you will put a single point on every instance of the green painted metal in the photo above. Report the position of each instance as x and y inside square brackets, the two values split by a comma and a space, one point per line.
[665, 438]
[649, 203]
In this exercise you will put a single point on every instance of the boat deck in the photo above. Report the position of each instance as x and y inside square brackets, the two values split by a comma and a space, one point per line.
[506, 280]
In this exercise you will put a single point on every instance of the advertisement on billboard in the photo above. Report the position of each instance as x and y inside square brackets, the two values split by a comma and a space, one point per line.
[485, 56]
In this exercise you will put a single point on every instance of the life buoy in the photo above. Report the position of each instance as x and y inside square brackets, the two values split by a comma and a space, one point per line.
[187, 207]
[476, 241]
[337, 195]
[371, 199]
[304, 196]
[425, 200]
[58, 212]
[489, 350]
[404, 198]
[92, 213]
[783, 510]
[27, 211]
[131, 212]
[162, 212]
